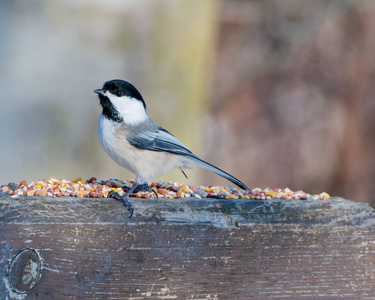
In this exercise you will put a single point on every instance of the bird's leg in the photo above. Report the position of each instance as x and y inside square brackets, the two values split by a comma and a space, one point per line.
[143, 188]
[124, 199]
[184, 173]
[146, 188]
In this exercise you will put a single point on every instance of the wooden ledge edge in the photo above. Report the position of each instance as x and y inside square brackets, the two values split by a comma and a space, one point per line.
[216, 212]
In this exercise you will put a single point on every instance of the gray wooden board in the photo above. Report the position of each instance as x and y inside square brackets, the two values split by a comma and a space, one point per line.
[191, 249]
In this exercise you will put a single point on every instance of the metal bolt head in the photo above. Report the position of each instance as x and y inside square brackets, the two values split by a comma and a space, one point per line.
[25, 270]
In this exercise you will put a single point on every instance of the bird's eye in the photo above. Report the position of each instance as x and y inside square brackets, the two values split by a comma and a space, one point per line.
[119, 93]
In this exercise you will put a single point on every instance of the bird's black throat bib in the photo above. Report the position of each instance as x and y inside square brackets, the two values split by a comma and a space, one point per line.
[109, 111]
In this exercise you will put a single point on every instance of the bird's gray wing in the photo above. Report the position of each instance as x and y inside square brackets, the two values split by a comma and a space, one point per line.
[158, 140]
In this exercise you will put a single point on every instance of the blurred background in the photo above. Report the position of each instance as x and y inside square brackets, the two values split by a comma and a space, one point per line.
[277, 93]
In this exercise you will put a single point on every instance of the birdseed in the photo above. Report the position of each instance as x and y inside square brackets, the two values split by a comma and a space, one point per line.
[94, 188]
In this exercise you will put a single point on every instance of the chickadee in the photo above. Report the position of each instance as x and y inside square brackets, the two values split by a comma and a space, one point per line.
[137, 143]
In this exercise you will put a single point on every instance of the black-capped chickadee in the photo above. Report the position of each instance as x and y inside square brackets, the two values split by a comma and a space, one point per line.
[137, 143]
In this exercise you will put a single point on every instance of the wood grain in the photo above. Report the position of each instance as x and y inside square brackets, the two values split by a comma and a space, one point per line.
[192, 249]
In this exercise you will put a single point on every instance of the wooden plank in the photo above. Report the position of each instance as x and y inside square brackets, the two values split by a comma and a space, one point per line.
[191, 249]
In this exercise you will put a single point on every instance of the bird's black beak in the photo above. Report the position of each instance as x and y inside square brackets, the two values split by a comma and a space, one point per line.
[99, 92]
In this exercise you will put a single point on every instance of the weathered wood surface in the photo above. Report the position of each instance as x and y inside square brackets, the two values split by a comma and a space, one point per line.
[190, 249]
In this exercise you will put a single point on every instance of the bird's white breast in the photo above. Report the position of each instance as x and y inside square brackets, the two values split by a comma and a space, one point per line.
[114, 142]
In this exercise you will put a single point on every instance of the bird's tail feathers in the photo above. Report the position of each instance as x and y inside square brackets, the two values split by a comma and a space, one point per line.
[201, 163]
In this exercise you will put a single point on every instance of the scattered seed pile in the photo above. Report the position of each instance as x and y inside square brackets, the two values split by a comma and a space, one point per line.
[94, 188]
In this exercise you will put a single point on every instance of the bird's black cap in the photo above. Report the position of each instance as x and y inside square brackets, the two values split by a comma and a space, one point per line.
[120, 88]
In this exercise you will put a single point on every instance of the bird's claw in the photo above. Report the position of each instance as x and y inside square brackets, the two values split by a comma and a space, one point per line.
[155, 193]
[129, 206]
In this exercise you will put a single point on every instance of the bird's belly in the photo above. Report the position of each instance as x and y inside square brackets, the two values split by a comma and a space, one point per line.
[152, 164]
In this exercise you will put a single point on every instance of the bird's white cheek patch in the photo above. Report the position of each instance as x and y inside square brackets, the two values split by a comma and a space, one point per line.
[131, 109]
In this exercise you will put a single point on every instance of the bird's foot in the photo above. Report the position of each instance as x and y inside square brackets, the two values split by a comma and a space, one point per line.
[124, 200]
[143, 188]
[146, 188]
